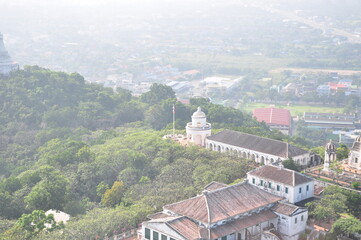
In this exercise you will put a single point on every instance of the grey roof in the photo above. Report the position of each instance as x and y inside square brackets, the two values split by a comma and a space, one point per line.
[258, 144]
[281, 175]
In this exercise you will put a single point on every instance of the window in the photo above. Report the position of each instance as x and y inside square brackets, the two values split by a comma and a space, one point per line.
[299, 190]
[307, 188]
[253, 180]
[269, 185]
[261, 182]
[295, 220]
[171, 239]
[356, 160]
[147, 233]
[286, 190]
[164, 237]
[224, 238]
[278, 187]
[302, 218]
[155, 235]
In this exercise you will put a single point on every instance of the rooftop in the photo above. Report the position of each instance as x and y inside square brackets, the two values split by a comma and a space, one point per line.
[273, 116]
[258, 144]
[223, 203]
[280, 175]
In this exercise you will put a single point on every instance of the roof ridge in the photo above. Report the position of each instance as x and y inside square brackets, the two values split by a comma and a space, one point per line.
[253, 135]
[200, 195]
[207, 207]
[228, 186]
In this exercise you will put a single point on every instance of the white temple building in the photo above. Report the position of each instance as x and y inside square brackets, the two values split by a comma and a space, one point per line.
[330, 156]
[261, 150]
[199, 129]
[6, 64]
[353, 162]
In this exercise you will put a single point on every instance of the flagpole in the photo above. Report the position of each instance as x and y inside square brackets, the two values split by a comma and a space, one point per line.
[173, 120]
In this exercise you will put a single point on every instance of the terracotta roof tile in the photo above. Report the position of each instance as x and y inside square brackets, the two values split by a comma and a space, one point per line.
[187, 228]
[281, 175]
[284, 208]
[258, 144]
[214, 186]
[217, 205]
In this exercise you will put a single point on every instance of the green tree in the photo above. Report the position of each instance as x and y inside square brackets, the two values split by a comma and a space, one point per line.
[290, 164]
[36, 222]
[50, 192]
[346, 226]
[113, 196]
[342, 152]
[157, 93]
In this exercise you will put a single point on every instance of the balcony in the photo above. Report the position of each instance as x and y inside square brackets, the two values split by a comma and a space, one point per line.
[207, 126]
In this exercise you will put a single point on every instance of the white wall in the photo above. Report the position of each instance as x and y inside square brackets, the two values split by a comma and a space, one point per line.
[293, 194]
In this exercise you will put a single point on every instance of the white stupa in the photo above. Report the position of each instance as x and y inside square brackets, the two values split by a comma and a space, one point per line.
[198, 129]
[6, 64]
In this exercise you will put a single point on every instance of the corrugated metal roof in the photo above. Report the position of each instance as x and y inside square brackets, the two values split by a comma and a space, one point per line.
[280, 175]
[258, 144]
[220, 204]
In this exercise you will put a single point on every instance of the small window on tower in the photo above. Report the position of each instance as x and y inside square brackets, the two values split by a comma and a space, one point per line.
[356, 160]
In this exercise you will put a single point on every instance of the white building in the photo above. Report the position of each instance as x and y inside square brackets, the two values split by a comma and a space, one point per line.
[353, 162]
[6, 64]
[240, 211]
[330, 156]
[260, 149]
[198, 130]
[292, 185]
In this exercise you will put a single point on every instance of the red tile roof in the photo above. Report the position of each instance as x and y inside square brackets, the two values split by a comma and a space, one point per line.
[273, 116]
[335, 86]
[221, 204]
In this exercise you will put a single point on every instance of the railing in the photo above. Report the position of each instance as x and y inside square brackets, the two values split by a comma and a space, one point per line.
[207, 125]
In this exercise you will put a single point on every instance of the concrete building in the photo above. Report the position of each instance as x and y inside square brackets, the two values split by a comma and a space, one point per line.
[292, 185]
[221, 212]
[275, 118]
[6, 64]
[260, 149]
[199, 129]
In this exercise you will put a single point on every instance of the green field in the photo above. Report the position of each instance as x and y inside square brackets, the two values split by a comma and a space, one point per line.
[227, 61]
[296, 110]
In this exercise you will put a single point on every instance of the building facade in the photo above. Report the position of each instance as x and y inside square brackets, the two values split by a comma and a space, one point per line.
[6, 64]
[293, 186]
[262, 150]
[237, 212]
